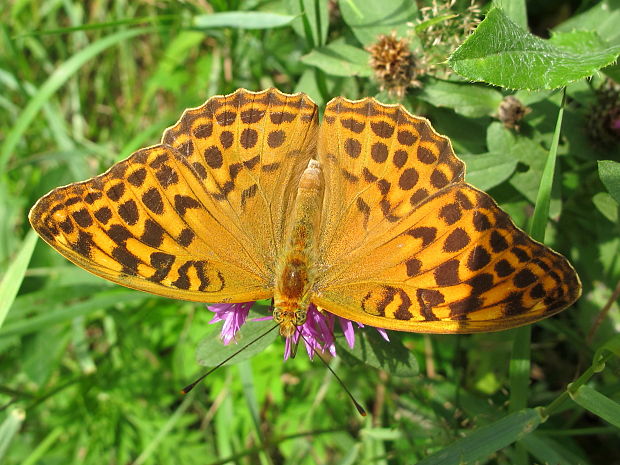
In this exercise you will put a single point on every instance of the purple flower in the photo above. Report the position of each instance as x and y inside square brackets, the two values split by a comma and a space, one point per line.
[317, 332]
[233, 316]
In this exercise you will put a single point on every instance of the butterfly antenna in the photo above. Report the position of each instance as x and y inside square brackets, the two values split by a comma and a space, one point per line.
[358, 406]
[191, 386]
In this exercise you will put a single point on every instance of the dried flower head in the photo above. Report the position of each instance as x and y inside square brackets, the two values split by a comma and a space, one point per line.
[394, 64]
[603, 121]
[511, 111]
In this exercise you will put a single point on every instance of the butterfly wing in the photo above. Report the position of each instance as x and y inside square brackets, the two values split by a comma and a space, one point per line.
[199, 217]
[413, 247]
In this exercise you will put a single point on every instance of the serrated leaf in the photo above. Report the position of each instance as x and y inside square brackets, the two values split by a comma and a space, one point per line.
[577, 41]
[499, 52]
[211, 351]
[339, 59]
[609, 172]
[372, 349]
[242, 20]
[370, 18]
[514, 9]
[465, 99]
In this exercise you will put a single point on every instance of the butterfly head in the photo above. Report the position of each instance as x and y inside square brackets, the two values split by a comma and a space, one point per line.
[289, 319]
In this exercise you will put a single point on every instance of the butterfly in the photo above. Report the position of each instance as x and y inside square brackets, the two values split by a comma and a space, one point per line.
[367, 216]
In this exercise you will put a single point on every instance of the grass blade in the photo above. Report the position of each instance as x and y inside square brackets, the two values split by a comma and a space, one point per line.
[53, 83]
[12, 279]
[599, 404]
[543, 199]
[487, 440]
[9, 427]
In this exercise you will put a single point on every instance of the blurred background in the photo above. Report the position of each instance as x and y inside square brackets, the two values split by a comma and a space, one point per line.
[91, 372]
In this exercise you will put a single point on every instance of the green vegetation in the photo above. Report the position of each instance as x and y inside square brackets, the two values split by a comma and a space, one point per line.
[91, 372]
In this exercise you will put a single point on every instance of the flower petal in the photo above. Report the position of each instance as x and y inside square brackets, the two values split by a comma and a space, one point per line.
[383, 333]
[233, 315]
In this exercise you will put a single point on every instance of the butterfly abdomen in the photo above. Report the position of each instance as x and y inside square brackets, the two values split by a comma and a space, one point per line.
[295, 273]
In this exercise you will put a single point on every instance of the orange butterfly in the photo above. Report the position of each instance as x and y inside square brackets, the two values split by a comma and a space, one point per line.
[366, 216]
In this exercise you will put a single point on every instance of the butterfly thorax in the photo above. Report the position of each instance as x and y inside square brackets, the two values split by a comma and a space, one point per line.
[295, 273]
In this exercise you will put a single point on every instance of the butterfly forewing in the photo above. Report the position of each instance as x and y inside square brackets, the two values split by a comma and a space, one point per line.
[415, 248]
[251, 149]
[199, 217]
[379, 163]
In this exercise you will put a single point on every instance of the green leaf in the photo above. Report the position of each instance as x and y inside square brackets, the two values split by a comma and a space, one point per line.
[501, 53]
[488, 170]
[465, 99]
[483, 442]
[172, 422]
[42, 351]
[547, 450]
[609, 172]
[613, 71]
[606, 204]
[598, 404]
[12, 279]
[211, 351]
[603, 18]
[528, 152]
[370, 18]
[339, 59]
[514, 9]
[242, 20]
[372, 349]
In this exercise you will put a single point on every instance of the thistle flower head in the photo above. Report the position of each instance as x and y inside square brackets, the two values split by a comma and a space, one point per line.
[317, 333]
[511, 112]
[394, 64]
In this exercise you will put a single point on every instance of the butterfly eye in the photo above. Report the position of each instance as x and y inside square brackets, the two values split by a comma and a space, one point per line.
[300, 317]
[277, 316]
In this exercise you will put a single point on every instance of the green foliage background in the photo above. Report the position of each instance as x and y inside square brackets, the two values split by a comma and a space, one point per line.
[90, 372]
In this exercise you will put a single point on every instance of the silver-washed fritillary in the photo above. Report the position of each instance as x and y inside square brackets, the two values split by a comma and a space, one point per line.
[367, 216]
